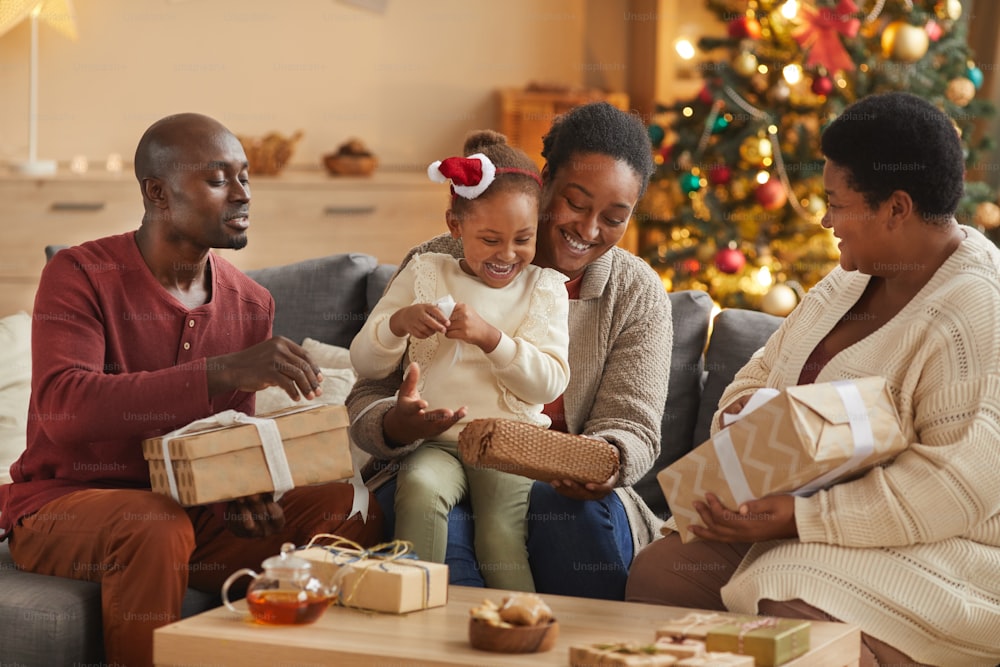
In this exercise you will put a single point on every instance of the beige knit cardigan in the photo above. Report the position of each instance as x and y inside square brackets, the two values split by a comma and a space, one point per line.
[620, 341]
[910, 552]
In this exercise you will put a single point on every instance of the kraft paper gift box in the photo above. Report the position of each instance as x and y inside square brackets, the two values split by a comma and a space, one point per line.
[771, 641]
[694, 625]
[620, 654]
[379, 579]
[803, 439]
[223, 457]
[717, 659]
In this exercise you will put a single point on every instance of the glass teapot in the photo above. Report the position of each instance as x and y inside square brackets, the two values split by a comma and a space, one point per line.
[286, 593]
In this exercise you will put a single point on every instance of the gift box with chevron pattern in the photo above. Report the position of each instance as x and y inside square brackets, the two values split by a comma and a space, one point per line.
[804, 439]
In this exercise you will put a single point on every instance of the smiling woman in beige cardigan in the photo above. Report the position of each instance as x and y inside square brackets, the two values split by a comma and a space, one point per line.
[909, 552]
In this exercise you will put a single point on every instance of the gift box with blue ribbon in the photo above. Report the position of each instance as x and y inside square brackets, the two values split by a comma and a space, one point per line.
[386, 578]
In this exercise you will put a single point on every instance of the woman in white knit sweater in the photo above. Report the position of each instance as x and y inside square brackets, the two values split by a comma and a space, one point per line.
[909, 552]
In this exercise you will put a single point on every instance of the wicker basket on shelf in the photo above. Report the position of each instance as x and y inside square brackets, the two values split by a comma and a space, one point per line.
[269, 154]
[352, 158]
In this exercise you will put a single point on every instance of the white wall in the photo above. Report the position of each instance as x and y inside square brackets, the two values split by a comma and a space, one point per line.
[409, 82]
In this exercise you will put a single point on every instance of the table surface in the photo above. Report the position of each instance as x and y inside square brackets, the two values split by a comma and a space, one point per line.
[436, 636]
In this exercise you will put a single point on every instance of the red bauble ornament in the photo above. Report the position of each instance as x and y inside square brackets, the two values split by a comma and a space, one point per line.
[719, 174]
[744, 28]
[666, 152]
[934, 30]
[705, 95]
[691, 265]
[771, 195]
[730, 260]
[822, 85]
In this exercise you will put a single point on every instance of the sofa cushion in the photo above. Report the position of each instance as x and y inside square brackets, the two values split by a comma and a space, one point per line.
[736, 335]
[324, 298]
[690, 311]
[55, 621]
[15, 388]
[378, 281]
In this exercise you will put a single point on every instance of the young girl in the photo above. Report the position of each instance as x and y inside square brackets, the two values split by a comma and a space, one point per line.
[488, 331]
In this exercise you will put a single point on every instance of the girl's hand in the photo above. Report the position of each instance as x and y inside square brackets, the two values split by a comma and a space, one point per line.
[421, 320]
[467, 325]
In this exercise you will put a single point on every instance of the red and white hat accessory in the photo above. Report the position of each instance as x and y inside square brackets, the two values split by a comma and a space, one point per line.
[469, 176]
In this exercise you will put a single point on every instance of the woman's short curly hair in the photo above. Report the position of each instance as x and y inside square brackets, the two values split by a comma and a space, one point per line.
[599, 127]
[898, 141]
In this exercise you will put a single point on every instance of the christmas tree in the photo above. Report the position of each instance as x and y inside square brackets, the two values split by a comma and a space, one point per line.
[735, 204]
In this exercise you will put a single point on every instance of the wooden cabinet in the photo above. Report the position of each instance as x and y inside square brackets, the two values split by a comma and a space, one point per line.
[293, 216]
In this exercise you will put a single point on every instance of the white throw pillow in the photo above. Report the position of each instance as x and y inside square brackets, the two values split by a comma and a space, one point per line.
[15, 388]
[326, 355]
[337, 383]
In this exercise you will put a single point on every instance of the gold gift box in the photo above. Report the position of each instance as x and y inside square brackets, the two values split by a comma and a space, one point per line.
[693, 626]
[224, 463]
[770, 641]
[394, 586]
[803, 435]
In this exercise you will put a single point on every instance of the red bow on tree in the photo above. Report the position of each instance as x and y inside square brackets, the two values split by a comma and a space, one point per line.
[819, 34]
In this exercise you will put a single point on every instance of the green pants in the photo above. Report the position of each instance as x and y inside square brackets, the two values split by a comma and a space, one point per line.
[433, 479]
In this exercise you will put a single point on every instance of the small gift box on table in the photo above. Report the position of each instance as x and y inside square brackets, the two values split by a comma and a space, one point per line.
[619, 654]
[692, 626]
[385, 578]
[536, 452]
[771, 641]
[231, 455]
[803, 439]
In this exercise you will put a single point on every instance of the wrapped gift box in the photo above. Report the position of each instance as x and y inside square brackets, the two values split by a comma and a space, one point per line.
[619, 654]
[771, 641]
[536, 452]
[717, 659]
[805, 438]
[380, 582]
[695, 625]
[219, 463]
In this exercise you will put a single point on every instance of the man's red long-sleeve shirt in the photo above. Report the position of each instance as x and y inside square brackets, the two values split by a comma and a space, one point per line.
[116, 359]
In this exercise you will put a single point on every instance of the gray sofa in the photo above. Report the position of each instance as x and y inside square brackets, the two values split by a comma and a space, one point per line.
[49, 621]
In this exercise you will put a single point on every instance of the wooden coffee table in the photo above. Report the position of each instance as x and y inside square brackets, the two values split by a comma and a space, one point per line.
[436, 636]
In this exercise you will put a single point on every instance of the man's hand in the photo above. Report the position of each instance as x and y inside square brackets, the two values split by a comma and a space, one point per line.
[421, 320]
[277, 362]
[768, 518]
[410, 419]
[467, 325]
[254, 516]
[590, 490]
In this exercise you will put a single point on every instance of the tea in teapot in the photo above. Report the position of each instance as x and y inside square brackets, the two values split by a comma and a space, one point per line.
[286, 593]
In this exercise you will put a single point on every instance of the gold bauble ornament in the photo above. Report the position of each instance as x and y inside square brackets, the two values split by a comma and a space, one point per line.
[960, 90]
[987, 215]
[779, 300]
[949, 9]
[745, 63]
[904, 42]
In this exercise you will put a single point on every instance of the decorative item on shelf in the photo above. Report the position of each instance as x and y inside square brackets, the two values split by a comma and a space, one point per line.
[352, 158]
[268, 155]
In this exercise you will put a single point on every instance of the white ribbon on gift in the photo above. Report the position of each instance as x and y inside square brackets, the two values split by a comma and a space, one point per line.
[270, 438]
[857, 418]
[861, 432]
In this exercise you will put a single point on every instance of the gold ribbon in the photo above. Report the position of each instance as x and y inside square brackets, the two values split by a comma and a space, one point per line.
[399, 552]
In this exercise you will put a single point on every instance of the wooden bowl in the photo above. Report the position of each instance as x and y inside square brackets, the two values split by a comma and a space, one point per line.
[339, 164]
[518, 639]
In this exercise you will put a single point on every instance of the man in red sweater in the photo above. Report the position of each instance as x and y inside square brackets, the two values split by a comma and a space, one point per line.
[136, 335]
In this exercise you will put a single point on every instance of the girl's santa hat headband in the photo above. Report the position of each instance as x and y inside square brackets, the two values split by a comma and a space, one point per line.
[471, 176]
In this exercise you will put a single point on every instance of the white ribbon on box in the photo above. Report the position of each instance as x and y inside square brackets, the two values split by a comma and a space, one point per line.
[270, 438]
[857, 418]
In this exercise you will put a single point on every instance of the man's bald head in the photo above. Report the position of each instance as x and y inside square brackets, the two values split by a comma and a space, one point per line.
[156, 154]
